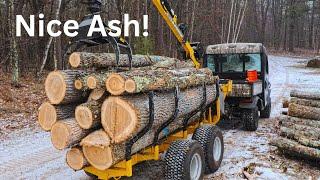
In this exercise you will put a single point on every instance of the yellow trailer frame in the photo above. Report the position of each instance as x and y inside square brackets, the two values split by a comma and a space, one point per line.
[125, 168]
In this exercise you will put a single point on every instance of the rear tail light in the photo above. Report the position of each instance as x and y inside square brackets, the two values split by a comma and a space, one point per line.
[252, 76]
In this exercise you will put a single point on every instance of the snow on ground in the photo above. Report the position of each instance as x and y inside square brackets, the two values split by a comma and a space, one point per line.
[29, 154]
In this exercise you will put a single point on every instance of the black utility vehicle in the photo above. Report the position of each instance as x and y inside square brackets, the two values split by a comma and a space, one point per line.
[246, 64]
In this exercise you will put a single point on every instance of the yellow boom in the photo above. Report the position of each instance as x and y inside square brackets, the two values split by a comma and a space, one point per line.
[171, 19]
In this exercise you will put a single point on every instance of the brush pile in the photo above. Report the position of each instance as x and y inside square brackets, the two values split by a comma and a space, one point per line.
[97, 107]
[300, 129]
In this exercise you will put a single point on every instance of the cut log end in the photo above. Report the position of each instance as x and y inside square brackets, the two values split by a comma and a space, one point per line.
[75, 159]
[97, 94]
[75, 60]
[115, 84]
[100, 158]
[60, 135]
[92, 82]
[130, 86]
[84, 117]
[78, 84]
[47, 116]
[55, 87]
[98, 139]
[119, 119]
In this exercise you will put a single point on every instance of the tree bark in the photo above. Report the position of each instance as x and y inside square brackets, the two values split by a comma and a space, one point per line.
[301, 130]
[306, 141]
[144, 81]
[67, 133]
[306, 112]
[290, 146]
[60, 87]
[306, 102]
[123, 117]
[305, 95]
[75, 159]
[49, 114]
[88, 115]
[299, 121]
[105, 60]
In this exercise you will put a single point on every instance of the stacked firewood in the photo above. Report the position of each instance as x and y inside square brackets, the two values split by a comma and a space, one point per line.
[97, 107]
[300, 128]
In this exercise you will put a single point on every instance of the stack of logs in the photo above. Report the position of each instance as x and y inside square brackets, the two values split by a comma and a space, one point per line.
[96, 107]
[300, 126]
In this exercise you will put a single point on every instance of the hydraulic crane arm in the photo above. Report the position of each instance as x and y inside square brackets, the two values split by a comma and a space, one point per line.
[171, 19]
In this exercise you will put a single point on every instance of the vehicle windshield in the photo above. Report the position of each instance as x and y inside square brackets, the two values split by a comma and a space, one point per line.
[229, 63]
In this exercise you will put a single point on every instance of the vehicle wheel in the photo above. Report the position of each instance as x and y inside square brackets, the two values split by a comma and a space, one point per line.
[184, 160]
[250, 118]
[92, 176]
[211, 139]
[266, 112]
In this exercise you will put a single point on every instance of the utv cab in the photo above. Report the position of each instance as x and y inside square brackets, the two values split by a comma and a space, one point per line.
[246, 64]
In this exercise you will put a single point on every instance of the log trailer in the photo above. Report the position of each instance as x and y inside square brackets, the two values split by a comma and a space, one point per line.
[185, 158]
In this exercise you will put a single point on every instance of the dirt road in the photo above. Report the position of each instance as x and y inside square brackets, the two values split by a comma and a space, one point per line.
[28, 154]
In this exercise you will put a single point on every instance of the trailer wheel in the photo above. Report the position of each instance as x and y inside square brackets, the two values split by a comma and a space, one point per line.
[266, 112]
[211, 139]
[184, 160]
[250, 118]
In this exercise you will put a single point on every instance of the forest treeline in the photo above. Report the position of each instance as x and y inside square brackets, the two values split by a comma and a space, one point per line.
[284, 25]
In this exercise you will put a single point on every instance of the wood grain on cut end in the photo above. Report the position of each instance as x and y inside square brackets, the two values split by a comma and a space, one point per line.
[60, 135]
[119, 119]
[84, 117]
[100, 158]
[97, 94]
[75, 60]
[75, 159]
[130, 86]
[98, 139]
[78, 84]
[92, 82]
[55, 87]
[47, 116]
[115, 84]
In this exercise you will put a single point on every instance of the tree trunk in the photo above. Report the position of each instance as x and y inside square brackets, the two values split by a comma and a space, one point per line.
[306, 112]
[290, 146]
[123, 117]
[306, 102]
[67, 133]
[75, 159]
[299, 121]
[60, 87]
[305, 95]
[306, 141]
[49, 114]
[88, 115]
[144, 81]
[310, 132]
[44, 61]
[105, 60]
[97, 94]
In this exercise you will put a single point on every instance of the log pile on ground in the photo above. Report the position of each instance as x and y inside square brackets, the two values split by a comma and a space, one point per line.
[299, 130]
[96, 108]
[314, 62]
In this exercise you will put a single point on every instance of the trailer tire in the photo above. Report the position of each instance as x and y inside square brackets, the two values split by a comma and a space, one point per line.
[266, 112]
[250, 118]
[184, 160]
[211, 139]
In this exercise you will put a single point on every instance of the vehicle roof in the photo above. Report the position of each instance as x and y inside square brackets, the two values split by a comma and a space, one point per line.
[235, 48]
